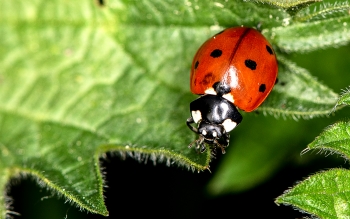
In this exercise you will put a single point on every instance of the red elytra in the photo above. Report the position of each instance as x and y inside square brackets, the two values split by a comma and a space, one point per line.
[241, 58]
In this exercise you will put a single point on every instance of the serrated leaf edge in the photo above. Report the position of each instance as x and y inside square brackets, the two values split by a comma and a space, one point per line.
[323, 148]
[143, 155]
[278, 200]
[340, 102]
[42, 181]
[296, 115]
[286, 4]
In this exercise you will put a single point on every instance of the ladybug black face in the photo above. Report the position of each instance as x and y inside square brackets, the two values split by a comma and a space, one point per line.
[215, 117]
[210, 132]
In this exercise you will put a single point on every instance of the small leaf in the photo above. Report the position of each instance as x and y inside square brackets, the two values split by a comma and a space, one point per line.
[335, 139]
[323, 12]
[325, 195]
[298, 94]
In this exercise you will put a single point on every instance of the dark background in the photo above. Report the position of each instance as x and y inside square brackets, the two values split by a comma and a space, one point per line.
[145, 191]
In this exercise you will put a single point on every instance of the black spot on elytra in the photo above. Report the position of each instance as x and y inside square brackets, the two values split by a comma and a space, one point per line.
[269, 50]
[207, 79]
[196, 65]
[216, 53]
[221, 88]
[262, 88]
[250, 64]
[276, 81]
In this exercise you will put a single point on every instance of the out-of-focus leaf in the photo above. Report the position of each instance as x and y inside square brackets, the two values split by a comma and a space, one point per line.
[292, 6]
[252, 160]
[323, 12]
[306, 37]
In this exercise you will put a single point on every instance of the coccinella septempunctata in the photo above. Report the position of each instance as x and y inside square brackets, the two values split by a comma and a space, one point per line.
[236, 68]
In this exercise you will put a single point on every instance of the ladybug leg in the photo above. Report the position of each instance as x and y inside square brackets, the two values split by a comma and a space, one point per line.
[227, 139]
[225, 143]
[189, 122]
[221, 147]
[200, 146]
[194, 142]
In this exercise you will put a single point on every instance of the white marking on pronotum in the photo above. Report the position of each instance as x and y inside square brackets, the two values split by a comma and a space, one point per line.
[215, 134]
[196, 115]
[229, 97]
[204, 132]
[229, 125]
[210, 91]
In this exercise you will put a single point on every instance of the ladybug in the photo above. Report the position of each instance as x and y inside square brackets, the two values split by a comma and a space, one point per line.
[236, 68]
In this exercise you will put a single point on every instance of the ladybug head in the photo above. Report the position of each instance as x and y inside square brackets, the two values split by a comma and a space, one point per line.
[210, 132]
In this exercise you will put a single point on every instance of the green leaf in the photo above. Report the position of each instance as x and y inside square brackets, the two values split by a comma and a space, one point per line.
[201, 16]
[298, 94]
[335, 139]
[292, 6]
[325, 195]
[323, 12]
[306, 37]
[344, 99]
